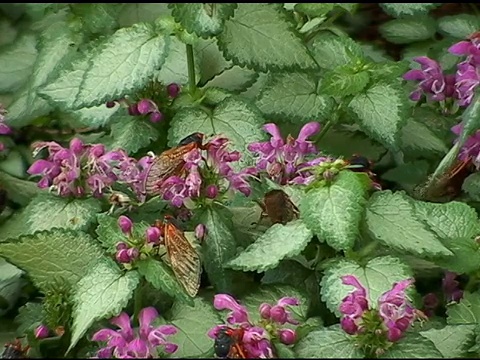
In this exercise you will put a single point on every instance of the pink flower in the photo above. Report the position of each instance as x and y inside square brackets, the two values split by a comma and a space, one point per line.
[238, 313]
[450, 287]
[129, 343]
[41, 332]
[471, 147]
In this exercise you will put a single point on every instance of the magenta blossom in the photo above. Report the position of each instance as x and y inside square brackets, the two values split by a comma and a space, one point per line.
[282, 160]
[394, 311]
[135, 344]
[4, 129]
[257, 339]
[471, 148]
[450, 287]
[432, 81]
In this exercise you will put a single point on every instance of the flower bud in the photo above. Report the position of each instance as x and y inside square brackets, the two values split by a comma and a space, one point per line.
[146, 106]
[41, 332]
[211, 191]
[200, 231]
[121, 245]
[156, 116]
[76, 145]
[394, 334]
[348, 325]
[122, 256]
[278, 314]
[133, 110]
[173, 90]
[110, 104]
[125, 224]
[265, 310]
[287, 336]
[153, 235]
[97, 150]
[133, 253]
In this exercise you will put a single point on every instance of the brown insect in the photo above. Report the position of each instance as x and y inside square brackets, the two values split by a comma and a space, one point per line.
[228, 344]
[182, 255]
[15, 350]
[170, 162]
[278, 207]
[448, 185]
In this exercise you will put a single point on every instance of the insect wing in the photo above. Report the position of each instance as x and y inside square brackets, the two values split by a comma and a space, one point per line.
[184, 259]
[279, 207]
[168, 163]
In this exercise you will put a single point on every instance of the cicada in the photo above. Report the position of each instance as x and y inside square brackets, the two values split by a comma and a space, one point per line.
[183, 257]
[228, 344]
[15, 350]
[358, 163]
[448, 185]
[170, 162]
[278, 207]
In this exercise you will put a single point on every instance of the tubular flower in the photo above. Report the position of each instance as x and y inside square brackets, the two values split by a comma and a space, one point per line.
[127, 342]
[256, 339]
[432, 81]
[85, 169]
[386, 323]
[451, 288]
[207, 174]
[282, 160]
[471, 147]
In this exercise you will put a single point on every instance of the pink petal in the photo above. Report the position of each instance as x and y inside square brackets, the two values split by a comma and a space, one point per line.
[104, 335]
[460, 48]
[353, 281]
[145, 318]
[308, 130]
[123, 322]
[39, 167]
[415, 75]
[288, 301]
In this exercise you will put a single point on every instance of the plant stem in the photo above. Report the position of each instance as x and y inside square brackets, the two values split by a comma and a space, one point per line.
[192, 83]
[324, 130]
[137, 305]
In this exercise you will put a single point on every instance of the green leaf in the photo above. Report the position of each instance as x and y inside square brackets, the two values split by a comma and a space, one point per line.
[294, 97]
[377, 276]
[240, 122]
[417, 137]
[125, 62]
[234, 79]
[47, 212]
[466, 256]
[19, 191]
[344, 81]
[162, 278]
[413, 346]
[328, 343]
[459, 26]
[193, 324]
[131, 133]
[334, 212]
[175, 69]
[287, 272]
[204, 19]
[381, 112]
[314, 9]
[98, 18]
[10, 285]
[271, 295]
[57, 46]
[401, 9]
[94, 117]
[471, 186]
[408, 175]
[466, 312]
[142, 12]
[210, 59]
[331, 51]
[452, 340]
[387, 71]
[375, 53]
[449, 220]
[16, 63]
[29, 316]
[102, 293]
[407, 30]
[391, 219]
[56, 253]
[260, 37]
[278, 242]
[218, 247]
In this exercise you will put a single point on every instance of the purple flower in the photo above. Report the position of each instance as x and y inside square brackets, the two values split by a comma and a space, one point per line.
[147, 106]
[287, 336]
[140, 343]
[200, 231]
[279, 312]
[432, 81]
[4, 128]
[282, 161]
[173, 90]
[41, 332]
[466, 81]
[125, 224]
[153, 235]
[450, 287]
[353, 306]
[430, 303]
[156, 116]
[471, 147]
[238, 313]
[469, 48]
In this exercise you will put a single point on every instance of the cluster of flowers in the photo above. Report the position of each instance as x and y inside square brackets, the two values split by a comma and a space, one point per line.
[451, 293]
[381, 325]
[84, 169]
[257, 338]
[129, 250]
[4, 129]
[438, 86]
[148, 106]
[142, 343]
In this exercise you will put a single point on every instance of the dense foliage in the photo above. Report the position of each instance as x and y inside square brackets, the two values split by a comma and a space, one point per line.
[294, 180]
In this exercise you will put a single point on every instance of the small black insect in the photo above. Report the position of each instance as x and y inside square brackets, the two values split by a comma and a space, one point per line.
[192, 138]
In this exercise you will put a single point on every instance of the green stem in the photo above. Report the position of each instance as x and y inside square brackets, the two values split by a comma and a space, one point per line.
[192, 83]
[137, 305]
[324, 130]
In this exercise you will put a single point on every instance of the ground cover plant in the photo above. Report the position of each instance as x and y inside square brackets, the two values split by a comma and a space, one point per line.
[285, 180]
